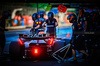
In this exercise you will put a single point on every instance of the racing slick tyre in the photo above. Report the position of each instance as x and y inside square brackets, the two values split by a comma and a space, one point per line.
[16, 51]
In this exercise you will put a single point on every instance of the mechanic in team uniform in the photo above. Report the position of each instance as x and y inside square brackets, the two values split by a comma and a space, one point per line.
[83, 18]
[41, 21]
[87, 24]
[2, 30]
[51, 24]
[88, 28]
[77, 40]
[35, 24]
[92, 38]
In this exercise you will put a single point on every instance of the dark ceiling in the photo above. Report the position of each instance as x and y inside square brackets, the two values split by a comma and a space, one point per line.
[56, 1]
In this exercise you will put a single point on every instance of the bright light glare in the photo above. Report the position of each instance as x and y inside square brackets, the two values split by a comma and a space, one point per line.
[20, 41]
[36, 51]
[51, 41]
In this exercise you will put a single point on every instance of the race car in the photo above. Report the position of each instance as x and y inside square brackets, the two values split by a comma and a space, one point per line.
[34, 46]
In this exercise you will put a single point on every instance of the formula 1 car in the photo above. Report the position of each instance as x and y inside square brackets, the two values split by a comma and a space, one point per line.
[35, 46]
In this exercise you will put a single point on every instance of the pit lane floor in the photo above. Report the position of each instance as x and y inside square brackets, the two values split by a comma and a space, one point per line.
[61, 33]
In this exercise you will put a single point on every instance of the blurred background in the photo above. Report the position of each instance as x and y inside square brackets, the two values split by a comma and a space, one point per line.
[20, 13]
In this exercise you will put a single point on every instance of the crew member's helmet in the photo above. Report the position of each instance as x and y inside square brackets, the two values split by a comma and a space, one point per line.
[35, 16]
[71, 18]
[50, 15]
[41, 15]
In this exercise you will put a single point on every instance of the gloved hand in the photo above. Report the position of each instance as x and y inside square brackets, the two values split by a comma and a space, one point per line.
[32, 29]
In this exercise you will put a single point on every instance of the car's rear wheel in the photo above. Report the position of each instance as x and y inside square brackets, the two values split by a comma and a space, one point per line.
[16, 51]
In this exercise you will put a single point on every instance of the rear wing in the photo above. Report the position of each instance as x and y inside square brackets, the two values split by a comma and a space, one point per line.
[36, 38]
